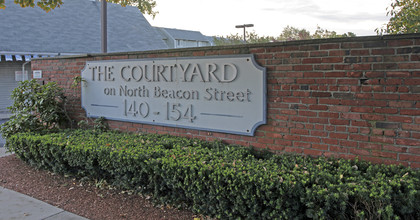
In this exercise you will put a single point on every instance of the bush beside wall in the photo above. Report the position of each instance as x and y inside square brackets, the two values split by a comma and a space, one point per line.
[347, 98]
[226, 181]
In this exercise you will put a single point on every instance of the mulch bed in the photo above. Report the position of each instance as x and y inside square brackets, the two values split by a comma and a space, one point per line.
[81, 197]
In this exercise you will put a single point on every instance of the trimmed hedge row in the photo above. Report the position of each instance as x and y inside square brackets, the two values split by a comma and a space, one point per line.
[226, 181]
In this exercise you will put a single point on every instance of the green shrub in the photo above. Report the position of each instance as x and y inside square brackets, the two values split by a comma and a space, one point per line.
[35, 108]
[225, 181]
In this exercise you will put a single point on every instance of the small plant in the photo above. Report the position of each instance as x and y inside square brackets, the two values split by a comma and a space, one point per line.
[35, 108]
[83, 124]
[100, 124]
[77, 80]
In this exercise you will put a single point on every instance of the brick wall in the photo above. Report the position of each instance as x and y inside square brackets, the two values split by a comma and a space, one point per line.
[347, 98]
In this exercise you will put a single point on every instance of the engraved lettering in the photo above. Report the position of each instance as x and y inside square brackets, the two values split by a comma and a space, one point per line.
[214, 94]
[136, 92]
[211, 68]
[184, 71]
[124, 75]
[137, 76]
[232, 74]
[196, 72]
[176, 94]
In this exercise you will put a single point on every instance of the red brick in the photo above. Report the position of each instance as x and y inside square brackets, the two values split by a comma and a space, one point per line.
[415, 135]
[302, 67]
[370, 146]
[313, 152]
[319, 133]
[410, 157]
[293, 150]
[329, 46]
[299, 131]
[415, 127]
[311, 60]
[335, 74]
[339, 108]
[301, 144]
[398, 43]
[266, 140]
[323, 147]
[358, 137]
[398, 74]
[377, 160]
[359, 52]
[394, 148]
[338, 149]
[415, 112]
[360, 152]
[318, 107]
[414, 165]
[354, 116]
[385, 140]
[386, 110]
[390, 133]
[411, 97]
[307, 113]
[383, 51]
[321, 94]
[414, 150]
[292, 137]
[399, 119]
[329, 101]
[283, 142]
[384, 154]
[346, 143]
[372, 117]
[328, 115]
[408, 142]
[339, 122]
[330, 141]
[400, 104]
[332, 60]
[397, 58]
[339, 135]
[312, 140]
[377, 132]
[362, 109]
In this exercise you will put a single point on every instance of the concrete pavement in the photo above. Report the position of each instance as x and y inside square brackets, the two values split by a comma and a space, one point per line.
[17, 206]
[14, 205]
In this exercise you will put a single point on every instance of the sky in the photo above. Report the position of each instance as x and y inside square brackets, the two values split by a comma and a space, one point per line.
[219, 17]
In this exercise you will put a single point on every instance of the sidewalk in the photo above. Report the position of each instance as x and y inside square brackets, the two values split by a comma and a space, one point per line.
[14, 205]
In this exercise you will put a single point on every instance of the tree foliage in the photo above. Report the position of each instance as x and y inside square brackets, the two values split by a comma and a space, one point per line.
[145, 6]
[289, 33]
[405, 18]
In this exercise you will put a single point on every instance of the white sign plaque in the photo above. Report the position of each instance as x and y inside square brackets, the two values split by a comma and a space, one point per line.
[219, 93]
[37, 74]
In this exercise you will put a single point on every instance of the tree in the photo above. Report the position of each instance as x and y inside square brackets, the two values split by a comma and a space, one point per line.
[405, 18]
[145, 6]
[288, 34]
[324, 33]
[291, 33]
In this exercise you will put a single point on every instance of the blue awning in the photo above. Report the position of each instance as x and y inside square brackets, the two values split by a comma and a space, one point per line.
[9, 57]
[27, 56]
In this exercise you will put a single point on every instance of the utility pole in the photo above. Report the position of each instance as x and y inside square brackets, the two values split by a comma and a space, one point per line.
[244, 26]
[104, 31]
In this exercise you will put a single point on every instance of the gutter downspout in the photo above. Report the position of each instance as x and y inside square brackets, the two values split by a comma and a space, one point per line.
[23, 70]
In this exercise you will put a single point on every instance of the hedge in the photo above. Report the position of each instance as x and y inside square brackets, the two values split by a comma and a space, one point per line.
[226, 181]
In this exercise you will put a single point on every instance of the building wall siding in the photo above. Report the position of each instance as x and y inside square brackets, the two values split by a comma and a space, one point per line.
[8, 82]
[345, 98]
